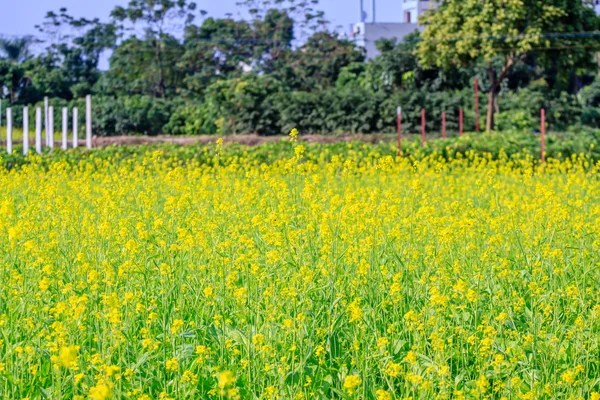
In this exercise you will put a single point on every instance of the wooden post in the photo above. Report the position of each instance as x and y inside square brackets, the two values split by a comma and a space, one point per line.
[75, 125]
[543, 134]
[460, 122]
[25, 130]
[444, 125]
[399, 123]
[50, 133]
[477, 105]
[65, 127]
[88, 121]
[423, 127]
[38, 130]
[9, 128]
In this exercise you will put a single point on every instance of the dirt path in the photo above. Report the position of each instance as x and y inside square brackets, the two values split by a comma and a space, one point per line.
[250, 140]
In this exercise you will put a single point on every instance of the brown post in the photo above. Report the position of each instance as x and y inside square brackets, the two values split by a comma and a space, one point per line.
[477, 105]
[460, 122]
[444, 125]
[423, 127]
[543, 134]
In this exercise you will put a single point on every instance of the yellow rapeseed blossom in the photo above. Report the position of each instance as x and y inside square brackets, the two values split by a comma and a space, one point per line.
[383, 395]
[68, 355]
[225, 379]
[99, 392]
[276, 270]
[351, 383]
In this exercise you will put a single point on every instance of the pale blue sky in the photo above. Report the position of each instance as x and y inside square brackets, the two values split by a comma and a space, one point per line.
[18, 17]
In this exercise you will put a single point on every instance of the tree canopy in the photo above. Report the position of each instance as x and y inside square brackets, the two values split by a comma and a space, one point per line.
[499, 34]
[175, 69]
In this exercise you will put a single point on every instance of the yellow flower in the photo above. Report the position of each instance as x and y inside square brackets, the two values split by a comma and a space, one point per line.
[172, 364]
[258, 339]
[411, 357]
[99, 392]
[482, 384]
[393, 369]
[383, 395]
[351, 383]
[176, 327]
[355, 311]
[189, 376]
[225, 379]
[270, 391]
[294, 135]
[568, 377]
[68, 355]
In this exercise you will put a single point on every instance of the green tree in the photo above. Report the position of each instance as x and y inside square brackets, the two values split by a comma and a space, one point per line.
[157, 17]
[16, 50]
[135, 68]
[12, 79]
[319, 62]
[498, 34]
[75, 47]
[217, 49]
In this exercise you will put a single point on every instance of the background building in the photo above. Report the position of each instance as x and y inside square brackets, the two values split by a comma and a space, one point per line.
[413, 9]
[366, 34]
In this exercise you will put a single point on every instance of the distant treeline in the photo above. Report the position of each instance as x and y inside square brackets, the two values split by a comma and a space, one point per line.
[283, 68]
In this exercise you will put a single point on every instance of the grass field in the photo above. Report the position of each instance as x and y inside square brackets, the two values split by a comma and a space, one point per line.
[17, 135]
[350, 277]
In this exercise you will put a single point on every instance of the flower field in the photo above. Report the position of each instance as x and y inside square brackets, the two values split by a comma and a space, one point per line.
[355, 277]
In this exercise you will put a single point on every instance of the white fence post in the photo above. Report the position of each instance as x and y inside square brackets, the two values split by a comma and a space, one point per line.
[51, 127]
[75, 123]
[65, 127]
[88, 121]
[38, 130]
[25, 130]
[9, 130]
[46, 119]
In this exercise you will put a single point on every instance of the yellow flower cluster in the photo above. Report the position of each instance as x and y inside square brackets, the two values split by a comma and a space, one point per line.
[354, 276]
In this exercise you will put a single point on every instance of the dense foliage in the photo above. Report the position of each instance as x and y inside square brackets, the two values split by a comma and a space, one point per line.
[175, 73]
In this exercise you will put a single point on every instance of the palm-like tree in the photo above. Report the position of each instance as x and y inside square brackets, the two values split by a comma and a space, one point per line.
[13, 52]
[16, 50]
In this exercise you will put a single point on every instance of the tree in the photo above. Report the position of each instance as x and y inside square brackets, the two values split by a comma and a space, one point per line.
[319, 62]
[12, 79]
[157, 17]
[218, 49]
[16, 50]
[136, 69]
[74, 47]
[499, 34]
[303, 12]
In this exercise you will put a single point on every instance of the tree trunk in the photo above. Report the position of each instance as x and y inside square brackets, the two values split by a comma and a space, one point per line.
[161, 84]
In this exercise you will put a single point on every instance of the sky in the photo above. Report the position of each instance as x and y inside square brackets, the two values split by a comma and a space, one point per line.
[20, 16]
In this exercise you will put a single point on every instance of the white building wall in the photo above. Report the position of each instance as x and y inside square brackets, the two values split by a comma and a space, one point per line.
[413, 9]
[367, 34]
